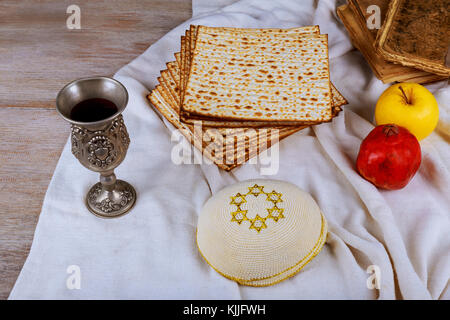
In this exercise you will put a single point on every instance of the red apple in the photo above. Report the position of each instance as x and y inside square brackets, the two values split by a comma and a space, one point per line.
[389, 157]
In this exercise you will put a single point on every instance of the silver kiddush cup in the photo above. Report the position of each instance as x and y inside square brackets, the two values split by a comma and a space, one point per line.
[100, 145]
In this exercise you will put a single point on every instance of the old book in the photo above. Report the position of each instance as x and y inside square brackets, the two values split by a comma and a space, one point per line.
[416, 33]
[368, 10]
[364, 41]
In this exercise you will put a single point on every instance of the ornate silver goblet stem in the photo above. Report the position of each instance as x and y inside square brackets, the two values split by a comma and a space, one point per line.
[100, 145]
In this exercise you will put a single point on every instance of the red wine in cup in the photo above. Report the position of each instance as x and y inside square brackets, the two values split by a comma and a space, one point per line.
[94, 109]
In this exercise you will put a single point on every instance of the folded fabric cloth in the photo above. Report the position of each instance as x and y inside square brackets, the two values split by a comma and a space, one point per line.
[443, 98]
[151, 252]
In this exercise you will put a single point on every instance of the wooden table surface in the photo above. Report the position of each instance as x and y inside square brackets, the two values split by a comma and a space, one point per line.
[38, 55]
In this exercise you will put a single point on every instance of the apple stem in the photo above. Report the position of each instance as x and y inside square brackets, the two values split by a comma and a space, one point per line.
[404, 95]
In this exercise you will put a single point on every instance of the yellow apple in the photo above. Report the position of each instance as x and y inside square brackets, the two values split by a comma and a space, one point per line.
[409, 105]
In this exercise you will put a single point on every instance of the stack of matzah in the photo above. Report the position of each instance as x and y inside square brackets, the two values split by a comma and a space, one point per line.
[253, 86]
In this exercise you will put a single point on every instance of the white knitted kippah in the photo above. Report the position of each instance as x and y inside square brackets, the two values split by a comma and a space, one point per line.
[260, 232]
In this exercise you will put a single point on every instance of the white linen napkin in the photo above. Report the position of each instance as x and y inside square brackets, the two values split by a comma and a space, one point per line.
[151, 252]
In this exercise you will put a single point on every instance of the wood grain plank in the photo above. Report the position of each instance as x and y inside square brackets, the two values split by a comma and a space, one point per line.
[31, 142]
[39, 54]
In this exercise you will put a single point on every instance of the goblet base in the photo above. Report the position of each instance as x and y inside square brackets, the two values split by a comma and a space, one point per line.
[111, 203]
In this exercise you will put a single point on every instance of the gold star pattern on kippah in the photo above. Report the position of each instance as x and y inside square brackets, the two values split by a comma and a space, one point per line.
[258, 223]
[239, 215]
[256, 190]
[238, 199]
[274, 197]
[275, 213]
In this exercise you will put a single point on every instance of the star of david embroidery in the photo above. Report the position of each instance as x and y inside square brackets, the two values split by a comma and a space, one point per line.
[239, 216]
[275, 213]
[258, 222]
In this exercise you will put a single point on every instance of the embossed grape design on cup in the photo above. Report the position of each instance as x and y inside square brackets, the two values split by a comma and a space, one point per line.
[101, 144]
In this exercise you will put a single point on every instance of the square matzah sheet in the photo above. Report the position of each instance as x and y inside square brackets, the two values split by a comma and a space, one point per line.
[259, 78]
[184, 61]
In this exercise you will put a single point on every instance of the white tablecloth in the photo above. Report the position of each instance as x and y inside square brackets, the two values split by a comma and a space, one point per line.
[151, 252]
